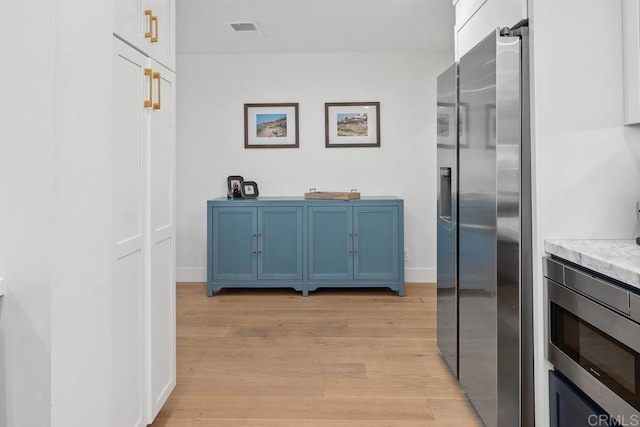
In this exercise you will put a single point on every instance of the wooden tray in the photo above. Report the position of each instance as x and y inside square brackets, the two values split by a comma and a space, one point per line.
[332, 195]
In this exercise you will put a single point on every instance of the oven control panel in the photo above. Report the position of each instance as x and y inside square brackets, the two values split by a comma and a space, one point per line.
[595, 287]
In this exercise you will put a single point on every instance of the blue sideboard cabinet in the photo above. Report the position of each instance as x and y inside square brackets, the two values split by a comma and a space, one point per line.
[254, 245]
[305, 244]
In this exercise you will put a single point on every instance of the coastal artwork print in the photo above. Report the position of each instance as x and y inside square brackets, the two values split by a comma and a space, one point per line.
[352, 124]
[271, 125]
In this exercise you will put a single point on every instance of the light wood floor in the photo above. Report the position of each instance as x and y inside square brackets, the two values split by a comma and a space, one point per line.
[271, 358]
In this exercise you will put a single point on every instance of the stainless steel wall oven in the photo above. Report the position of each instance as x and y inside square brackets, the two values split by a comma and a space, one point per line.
[594, 336]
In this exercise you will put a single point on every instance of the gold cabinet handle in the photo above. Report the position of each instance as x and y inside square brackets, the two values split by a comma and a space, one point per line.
[154, 21]
[156, 75]
[149, 13]
[149, 102]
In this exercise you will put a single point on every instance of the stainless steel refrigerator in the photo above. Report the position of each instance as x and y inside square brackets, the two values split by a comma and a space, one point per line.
[485, 320]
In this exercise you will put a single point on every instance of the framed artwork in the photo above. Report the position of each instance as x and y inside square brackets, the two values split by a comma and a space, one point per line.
[446, 126]
[271, 125]
[249, 189]
[352, 124]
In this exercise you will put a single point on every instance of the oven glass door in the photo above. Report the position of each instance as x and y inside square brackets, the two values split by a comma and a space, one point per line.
[614, 364]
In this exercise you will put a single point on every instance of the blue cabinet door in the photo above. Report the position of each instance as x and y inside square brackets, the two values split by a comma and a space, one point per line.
[280, 243]
[376, 243]
[234, 246]
[569, 407]
[330, 254]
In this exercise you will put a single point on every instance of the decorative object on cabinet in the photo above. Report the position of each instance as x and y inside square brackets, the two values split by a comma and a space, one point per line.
[249, 189]
[271, 125]
[446, 131]
[233, 187]
[332, 195]
[631, 43]
[352, 124]
[305, 244]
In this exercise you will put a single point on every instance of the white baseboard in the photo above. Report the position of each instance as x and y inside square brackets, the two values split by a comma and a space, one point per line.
[191, 274]
[420, 275]
[196, 274]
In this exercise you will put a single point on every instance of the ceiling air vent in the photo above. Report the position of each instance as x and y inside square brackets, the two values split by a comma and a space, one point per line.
[244, 26]
[247, 29]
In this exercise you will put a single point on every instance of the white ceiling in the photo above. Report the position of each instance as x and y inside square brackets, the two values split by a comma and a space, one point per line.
[315, 26]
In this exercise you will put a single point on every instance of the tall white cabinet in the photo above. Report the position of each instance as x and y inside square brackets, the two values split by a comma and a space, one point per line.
[143, 158]
[149, 25]
[475, 19]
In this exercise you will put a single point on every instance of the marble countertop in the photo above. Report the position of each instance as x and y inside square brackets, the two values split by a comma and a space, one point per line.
[619, 259]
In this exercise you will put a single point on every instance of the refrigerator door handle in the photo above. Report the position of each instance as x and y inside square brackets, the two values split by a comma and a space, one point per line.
[445, 193]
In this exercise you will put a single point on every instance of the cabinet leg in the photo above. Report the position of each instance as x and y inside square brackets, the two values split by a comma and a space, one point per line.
[209, 290]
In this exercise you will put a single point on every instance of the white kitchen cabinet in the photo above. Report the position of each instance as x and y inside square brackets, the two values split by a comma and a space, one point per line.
[475, 19]
[128, 151]
[149, 25]
[90, 318]
[143, 293]
[162, 240]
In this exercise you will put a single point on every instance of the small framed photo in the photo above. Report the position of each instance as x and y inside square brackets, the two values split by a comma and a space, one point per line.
[352, 124]
[249, 189]
[271, 125]
[234, 189]
[447, 125]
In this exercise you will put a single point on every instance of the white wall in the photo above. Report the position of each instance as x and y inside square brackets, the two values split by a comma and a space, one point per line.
[26, 149]
[81, 215]
[587, 162]
[55, 211]
[475, 19]
[210, 138]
